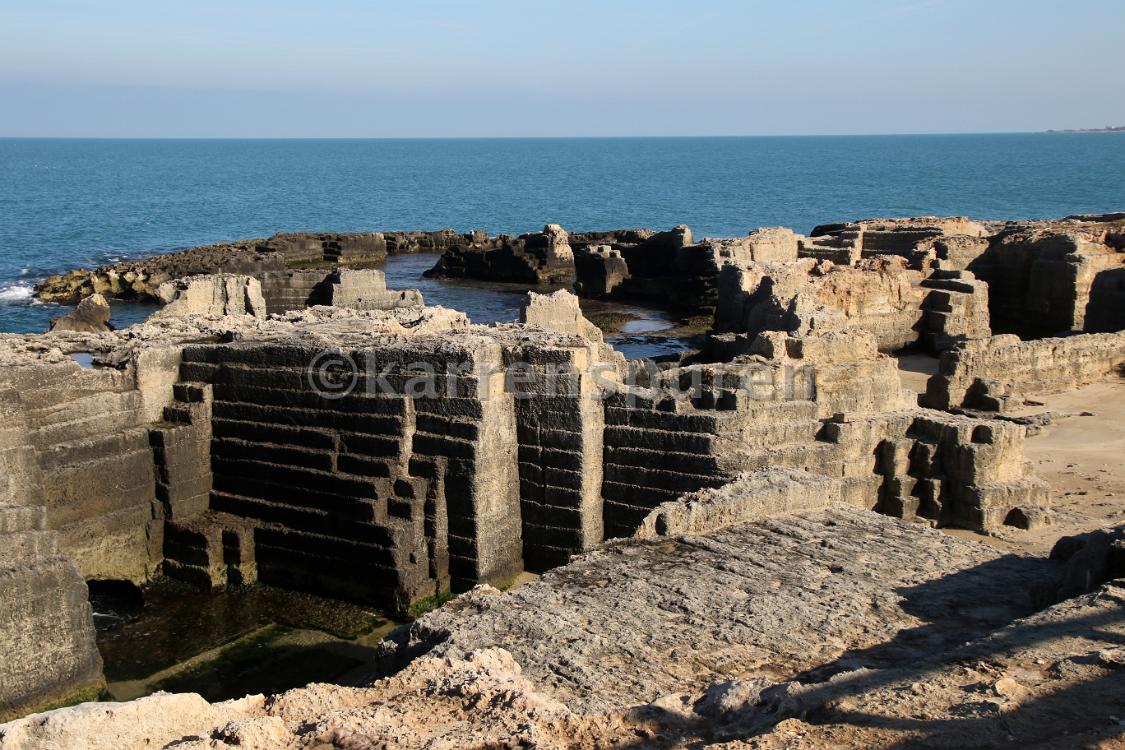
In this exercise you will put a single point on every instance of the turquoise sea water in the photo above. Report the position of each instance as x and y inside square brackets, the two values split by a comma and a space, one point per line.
[71, 203]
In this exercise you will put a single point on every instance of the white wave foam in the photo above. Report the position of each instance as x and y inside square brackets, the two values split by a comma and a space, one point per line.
[14, 293]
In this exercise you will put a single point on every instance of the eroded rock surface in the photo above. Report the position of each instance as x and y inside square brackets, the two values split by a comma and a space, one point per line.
[797, 631]
[91, 316]
[215, 295]
[1000, 372]
[140, 279]
[360, 445]
[632, 621]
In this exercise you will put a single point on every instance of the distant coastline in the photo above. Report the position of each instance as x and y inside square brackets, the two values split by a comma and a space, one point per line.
[1107, 129]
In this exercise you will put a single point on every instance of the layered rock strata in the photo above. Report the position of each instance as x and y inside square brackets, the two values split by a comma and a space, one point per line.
[998, 373]
[1050, 278]
[443, 455]
[218, 295]
[1047, 277]
[356, 289]
[670, 267]
[388, 455]
[899, 305]
[47, 632]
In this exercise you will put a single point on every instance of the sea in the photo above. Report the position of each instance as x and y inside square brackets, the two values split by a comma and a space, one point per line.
[78, 203]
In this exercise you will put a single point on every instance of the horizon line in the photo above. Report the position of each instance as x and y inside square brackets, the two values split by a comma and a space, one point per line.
[1053, 131]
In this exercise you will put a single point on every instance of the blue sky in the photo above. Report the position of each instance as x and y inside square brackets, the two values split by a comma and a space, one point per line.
[424, 68]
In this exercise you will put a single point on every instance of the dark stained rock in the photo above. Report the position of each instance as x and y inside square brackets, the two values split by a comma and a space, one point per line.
[538, 258]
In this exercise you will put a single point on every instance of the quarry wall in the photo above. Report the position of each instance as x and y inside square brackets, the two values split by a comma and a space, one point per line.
[998, 373]
[380, 451]
[48, 632]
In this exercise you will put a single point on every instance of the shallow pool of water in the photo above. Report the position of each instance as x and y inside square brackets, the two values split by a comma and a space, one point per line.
[227, 644]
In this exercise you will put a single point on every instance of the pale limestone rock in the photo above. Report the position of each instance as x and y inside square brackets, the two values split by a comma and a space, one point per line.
[218, 295]
[154, 721]
[91, 316]
[1000, 372]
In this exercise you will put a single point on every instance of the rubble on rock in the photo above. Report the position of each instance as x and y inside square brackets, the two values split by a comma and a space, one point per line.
[140, 279]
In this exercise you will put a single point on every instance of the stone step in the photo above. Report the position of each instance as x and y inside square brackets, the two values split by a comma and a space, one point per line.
[665, 479]
[372, 424]
[677, 442]
[302, 397]
[305, 437]
[351, 508]
[334, 482]
[622, 493]
[54, 432]
[95, 448]
[693, 463]
[189, 392]
[234, 448]
[178, 414]
[310, 519]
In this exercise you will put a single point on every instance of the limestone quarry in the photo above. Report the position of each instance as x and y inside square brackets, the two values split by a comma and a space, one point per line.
[879, 502]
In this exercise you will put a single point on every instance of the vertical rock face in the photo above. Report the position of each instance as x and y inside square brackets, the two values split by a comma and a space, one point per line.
[996, 372]
[848, 242]
[955, 309]
[881, 297]
[1049, 278]
[47, 635]
[217, 295]
[950, 470]
[357, 289]
[898, 304]
[415, 493]
[773, 244]
[599, 270]
[367, 290]
[294, 290]
[670, 266]
[87, 430]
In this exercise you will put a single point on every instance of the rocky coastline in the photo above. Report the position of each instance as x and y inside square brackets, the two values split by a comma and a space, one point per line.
[821, 526]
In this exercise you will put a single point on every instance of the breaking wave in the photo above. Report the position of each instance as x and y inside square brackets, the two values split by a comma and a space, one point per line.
[15, 293]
